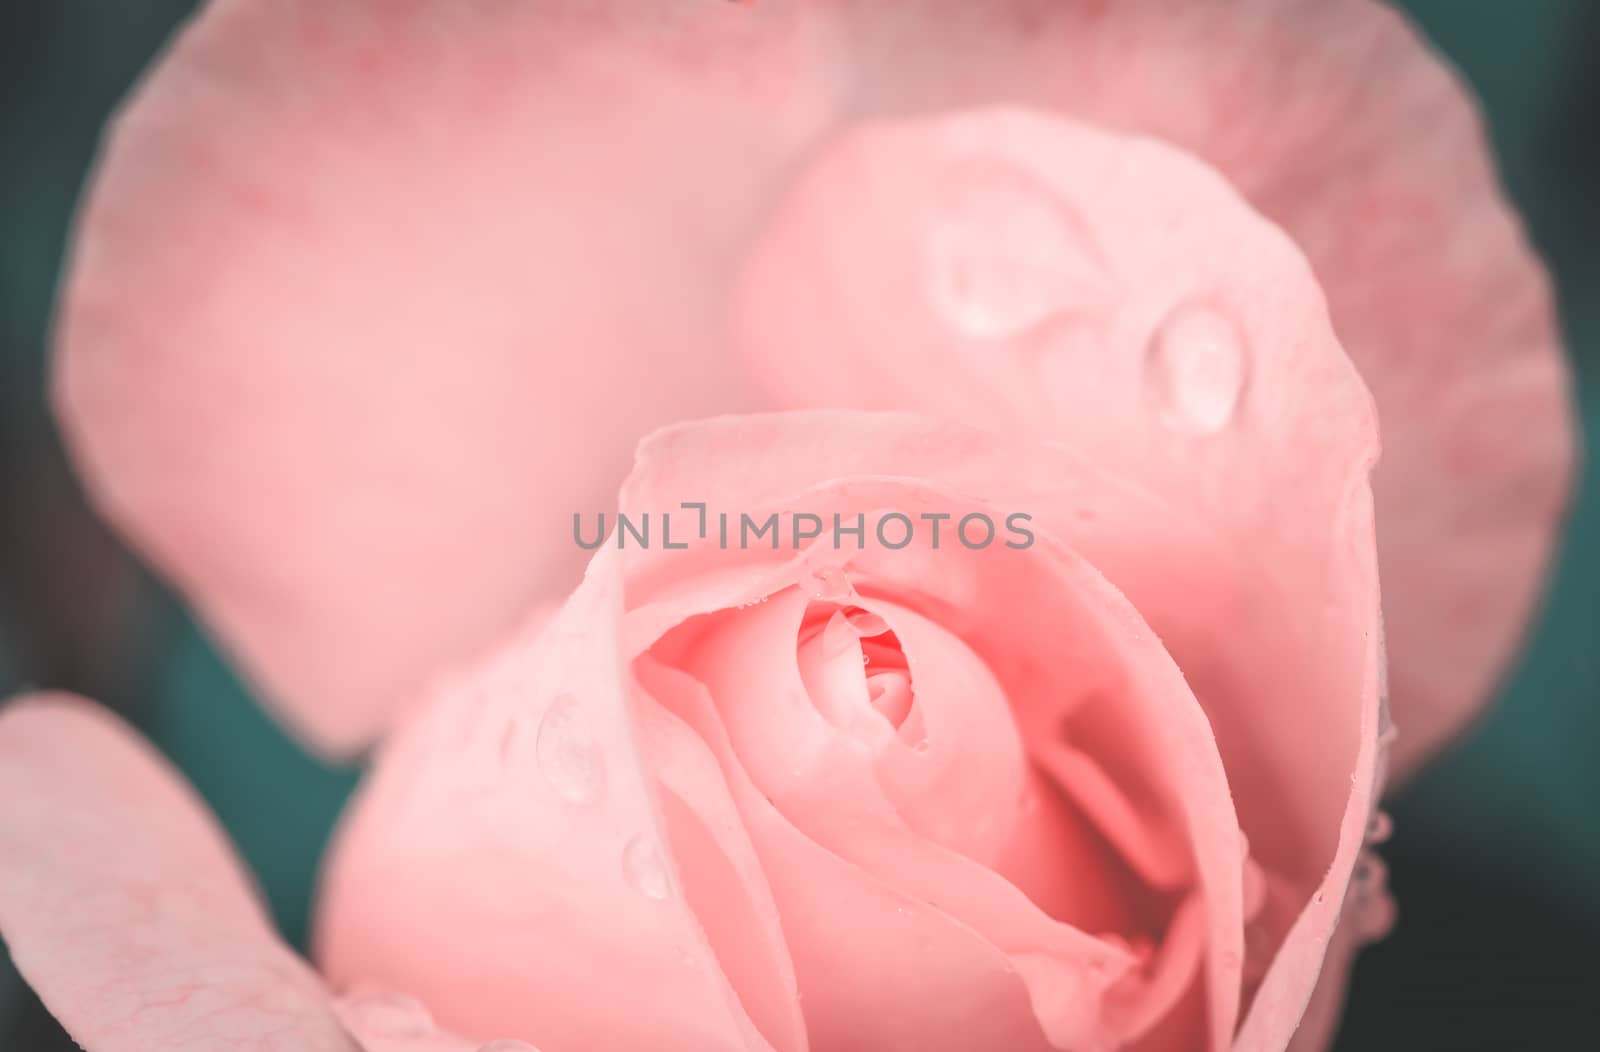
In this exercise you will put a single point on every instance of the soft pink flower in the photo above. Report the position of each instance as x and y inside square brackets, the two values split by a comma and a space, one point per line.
[921, 798]
[369, 296]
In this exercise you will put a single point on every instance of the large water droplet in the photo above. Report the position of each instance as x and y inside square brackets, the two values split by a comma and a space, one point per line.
[568, 756]
[642, 865]
[1003, 254]
[1197, 367]
[388, 1015]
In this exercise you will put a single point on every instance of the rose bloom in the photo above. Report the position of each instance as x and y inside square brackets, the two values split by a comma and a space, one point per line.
[370, 298]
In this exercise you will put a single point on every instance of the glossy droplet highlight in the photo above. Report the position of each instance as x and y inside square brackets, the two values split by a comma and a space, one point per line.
[829, 583]
[1197, 366]
[1003, 253]
[644, 869]
[568, 757]
[387, 1015]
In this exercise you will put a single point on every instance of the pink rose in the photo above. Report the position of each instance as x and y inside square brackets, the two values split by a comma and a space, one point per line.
[371, 298]
[342, 265]
[908, 792]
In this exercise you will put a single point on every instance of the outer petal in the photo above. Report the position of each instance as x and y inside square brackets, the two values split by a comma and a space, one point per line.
[370, 297]
[507, 864]
[123, 906]
[277, 286]
[1368, 914]
[1334, 120]
[246, 357]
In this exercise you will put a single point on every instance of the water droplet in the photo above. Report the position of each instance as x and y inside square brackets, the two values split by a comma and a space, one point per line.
[829, 583]
[642, 865]
[507, 1045]
[921, 746]
[568, 757]
[1197, 367]
[1004, 254]
[1380, 828]
[388, 1015]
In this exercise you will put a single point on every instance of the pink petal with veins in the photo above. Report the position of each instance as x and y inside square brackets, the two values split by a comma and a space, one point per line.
[124, 907]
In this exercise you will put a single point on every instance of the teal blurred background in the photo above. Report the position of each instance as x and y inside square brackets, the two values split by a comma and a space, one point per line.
[1496, 859]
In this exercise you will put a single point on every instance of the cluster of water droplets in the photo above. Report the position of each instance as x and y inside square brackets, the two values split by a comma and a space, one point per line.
[1004, 257]
[570, 760]
[828, 583]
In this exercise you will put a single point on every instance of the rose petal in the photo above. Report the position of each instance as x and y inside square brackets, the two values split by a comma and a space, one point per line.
[1302, 774]
[1336, 121]
[382, 272]
[869, 993]
[506, 862]
[123, 906]
[340, 347]
[389, 1022]
[1367, 914]
[1041, 626]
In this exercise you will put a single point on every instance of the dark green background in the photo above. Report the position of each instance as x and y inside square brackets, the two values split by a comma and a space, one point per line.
[1496, 861]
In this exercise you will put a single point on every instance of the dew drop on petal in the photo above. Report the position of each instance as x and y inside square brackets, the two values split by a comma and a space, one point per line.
[1380, 828]
[568, 757]
[1002, 255]
[1196, 368]
[644, 869]
[388, 1015]
[829, 583]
